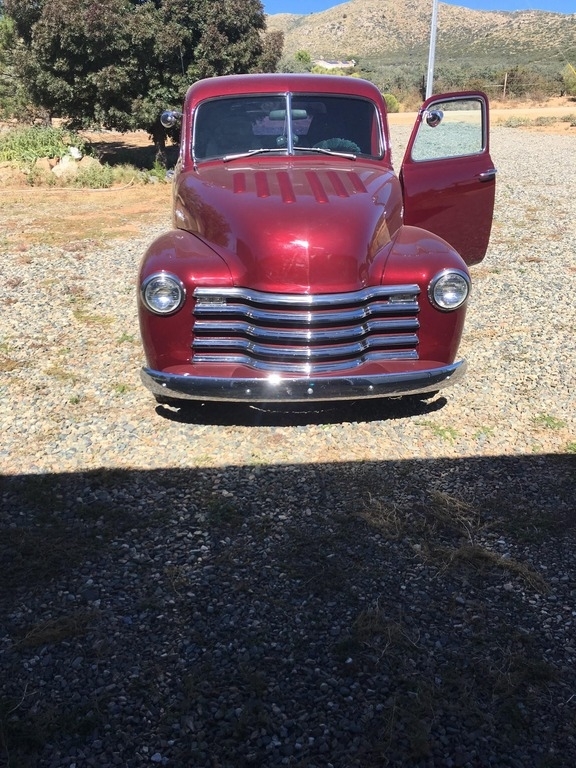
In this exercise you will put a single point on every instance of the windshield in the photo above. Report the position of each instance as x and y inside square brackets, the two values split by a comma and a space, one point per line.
[240, 125]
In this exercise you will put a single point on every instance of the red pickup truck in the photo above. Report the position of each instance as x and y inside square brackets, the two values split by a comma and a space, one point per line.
[300, 266]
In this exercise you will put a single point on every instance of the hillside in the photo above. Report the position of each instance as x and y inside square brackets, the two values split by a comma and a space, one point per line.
[389, 32]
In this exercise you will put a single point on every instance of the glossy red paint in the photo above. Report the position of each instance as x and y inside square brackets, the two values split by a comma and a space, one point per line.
[416, 255]
[452, 196]
[318, 236]
[300, 226]
[167, 340]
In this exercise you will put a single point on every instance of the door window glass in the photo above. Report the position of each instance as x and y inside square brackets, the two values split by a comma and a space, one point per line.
[450, 129]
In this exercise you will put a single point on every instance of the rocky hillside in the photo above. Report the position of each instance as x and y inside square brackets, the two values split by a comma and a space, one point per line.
[399, 33]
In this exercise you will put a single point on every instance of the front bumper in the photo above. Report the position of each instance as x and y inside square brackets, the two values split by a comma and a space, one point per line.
[276, 389]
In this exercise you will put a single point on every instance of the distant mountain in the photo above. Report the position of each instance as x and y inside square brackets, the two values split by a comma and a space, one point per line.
[393, 32]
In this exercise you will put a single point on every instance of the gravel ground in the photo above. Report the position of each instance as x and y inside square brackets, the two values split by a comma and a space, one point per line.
[373, 584]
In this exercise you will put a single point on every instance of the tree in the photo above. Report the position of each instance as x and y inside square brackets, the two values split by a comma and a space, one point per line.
[13, 97]
[6, 71]
[119, 63]
[569, 79]
[300, 62]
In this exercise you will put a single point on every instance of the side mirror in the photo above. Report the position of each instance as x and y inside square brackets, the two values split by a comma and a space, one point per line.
[434, 117]
[169, 118]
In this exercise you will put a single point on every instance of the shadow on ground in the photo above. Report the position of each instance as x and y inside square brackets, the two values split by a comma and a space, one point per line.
[143, 157]
[402, 613]
[300, 414]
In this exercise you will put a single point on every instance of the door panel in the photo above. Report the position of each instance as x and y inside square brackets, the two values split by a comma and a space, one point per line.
[447, 175]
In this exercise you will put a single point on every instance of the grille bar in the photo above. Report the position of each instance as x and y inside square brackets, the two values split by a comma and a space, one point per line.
[307, 368]
[389, 292]
[306, 334]
[309, 352]
[306, 317]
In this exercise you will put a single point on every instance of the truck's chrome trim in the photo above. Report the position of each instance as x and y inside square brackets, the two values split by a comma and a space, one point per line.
[276, 388]
[208, 295]
[280, 352]
[303, 366]
[301, 334]
[310, 335]
[306, 317]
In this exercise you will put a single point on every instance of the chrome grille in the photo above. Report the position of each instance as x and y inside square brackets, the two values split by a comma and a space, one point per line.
[302, 334]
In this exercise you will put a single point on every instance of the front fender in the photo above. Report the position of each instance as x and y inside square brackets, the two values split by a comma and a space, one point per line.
[187, 256]
[166, 339]
[416, 256]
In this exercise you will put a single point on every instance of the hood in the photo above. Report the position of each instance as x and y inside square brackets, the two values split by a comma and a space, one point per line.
[297, 226]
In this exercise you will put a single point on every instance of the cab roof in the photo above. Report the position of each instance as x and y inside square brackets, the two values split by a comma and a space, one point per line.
[279, 83]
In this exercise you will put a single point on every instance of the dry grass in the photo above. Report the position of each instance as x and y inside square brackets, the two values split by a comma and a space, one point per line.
[58, 629]
[79, 219]
[481, 559]
[448, 533]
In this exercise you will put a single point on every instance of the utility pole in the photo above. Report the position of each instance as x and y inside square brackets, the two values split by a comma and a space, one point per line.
[432, 50]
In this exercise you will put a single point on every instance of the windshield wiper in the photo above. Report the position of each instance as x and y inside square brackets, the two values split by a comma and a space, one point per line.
[267, 150]
[250, 152]
[324, 151]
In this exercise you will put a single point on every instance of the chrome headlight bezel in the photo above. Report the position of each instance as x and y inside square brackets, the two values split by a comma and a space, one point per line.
[446, 298]
[165, 282]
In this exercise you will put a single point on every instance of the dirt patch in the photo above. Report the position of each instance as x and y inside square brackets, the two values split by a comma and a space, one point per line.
[75, 217]
[556, 117]
[72, 218]
[553, 117]
[110, 139]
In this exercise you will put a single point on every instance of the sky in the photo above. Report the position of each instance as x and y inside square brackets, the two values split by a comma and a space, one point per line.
[313, 6]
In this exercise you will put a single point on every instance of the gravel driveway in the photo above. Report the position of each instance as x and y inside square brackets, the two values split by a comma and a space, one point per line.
[373, 584]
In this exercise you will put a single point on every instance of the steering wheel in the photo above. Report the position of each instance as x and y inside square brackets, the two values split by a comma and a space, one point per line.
[339, 145]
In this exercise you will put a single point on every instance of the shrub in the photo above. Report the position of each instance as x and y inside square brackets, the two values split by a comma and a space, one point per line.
[94, 177]
[392, 103]
[26, 145]
[569, 79]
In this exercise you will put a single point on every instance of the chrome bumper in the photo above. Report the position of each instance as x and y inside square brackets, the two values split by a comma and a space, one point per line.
[285, 390]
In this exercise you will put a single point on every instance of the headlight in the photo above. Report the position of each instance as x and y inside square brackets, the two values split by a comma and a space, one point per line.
[449, 289]
[163, 293]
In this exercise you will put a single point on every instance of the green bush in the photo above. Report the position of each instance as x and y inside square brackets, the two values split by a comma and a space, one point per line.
[392, 103]
[94, 177]
[517, 122]
[569, 79]
[26, 145]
